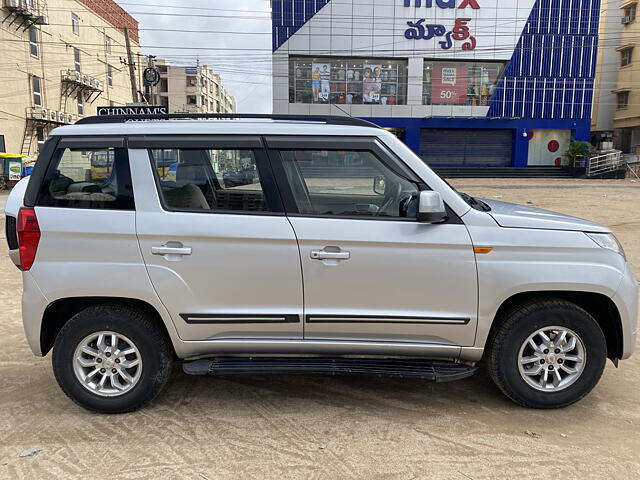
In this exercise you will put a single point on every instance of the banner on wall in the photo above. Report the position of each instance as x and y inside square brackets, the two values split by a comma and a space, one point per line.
[371, 83]
[320, 81]
[449, 84]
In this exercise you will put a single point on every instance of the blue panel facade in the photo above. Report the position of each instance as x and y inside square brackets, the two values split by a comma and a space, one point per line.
[555, 60]
[289, 15]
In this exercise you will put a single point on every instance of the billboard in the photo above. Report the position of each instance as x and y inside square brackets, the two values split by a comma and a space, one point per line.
[449, 84]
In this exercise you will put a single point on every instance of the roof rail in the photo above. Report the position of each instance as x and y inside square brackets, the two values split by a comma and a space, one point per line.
[328, 119]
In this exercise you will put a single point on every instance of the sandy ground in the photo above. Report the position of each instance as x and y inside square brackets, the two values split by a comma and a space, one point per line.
[331, 427]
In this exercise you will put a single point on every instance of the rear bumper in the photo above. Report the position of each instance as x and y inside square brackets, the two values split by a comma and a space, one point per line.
[14, 255]
[34, 304]
[626, 299]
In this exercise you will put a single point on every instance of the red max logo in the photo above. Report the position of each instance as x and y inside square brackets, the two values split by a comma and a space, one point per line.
[443, 3]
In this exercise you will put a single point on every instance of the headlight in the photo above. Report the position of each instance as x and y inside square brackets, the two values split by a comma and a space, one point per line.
[608, 241]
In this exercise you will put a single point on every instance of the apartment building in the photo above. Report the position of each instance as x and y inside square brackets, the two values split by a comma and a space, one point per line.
[61, 59]
[606, 80]
[626, 118]
[192, 90]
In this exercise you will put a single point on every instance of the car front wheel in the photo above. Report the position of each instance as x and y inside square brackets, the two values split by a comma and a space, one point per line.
[548, 353]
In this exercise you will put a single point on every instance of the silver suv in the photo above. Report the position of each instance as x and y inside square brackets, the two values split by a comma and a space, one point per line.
[307, 244]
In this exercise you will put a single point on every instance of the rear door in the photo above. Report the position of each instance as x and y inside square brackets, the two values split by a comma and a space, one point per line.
[371, 271]
[219, 250]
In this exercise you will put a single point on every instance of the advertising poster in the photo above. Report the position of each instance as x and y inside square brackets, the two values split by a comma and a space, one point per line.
[449, 85]
[15, 171]
[320, 78]
[371, 83]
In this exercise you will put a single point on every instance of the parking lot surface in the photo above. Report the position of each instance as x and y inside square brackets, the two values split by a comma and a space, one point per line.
[315, 427]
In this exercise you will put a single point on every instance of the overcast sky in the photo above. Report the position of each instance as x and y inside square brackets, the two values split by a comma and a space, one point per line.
[240, 53]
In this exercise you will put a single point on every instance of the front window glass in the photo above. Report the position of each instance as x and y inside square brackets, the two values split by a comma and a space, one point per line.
[33, 41]
[347, 81]
[80, 99]
[348, 183]
[37, 91]
[623, 99]
[76, 59]
[209, 180]
[40, 137]
[629, 13]
[75, 24]
[460, 83]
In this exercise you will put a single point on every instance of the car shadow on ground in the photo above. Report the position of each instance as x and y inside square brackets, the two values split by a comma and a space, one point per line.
[331, 391]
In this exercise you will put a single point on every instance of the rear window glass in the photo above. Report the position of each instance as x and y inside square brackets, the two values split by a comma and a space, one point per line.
[95, 179]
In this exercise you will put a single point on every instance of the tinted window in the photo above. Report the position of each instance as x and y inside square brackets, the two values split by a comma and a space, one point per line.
[96, 179]
[209, 180]
[348, 183]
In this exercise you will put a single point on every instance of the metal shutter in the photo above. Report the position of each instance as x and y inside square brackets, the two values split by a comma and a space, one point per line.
[460, 147]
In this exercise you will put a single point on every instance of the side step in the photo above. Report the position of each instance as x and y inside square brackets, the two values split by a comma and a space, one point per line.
[437, 371]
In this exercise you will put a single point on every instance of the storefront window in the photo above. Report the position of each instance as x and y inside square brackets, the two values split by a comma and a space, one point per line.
[347, 81]
[460, 83]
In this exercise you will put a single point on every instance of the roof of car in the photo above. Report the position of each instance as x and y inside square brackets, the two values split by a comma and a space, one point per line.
[217, 127]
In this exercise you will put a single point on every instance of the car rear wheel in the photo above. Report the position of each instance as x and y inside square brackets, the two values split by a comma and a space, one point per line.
[547, 353]
[111, 358]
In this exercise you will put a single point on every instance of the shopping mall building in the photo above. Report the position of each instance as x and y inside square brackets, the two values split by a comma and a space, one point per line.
[462, 82]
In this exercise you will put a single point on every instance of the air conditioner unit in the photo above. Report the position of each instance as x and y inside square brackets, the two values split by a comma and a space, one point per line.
[98, 85]
[68, 118]
[25, 6]
[92, 82]
[53, 116]
[84, 79]
[627, 19]
[59, 117]
[41, 114]
[12, 3]
[73, 76]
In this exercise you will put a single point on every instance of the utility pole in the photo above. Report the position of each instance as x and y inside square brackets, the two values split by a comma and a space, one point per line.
[199, 86]
[132, 67]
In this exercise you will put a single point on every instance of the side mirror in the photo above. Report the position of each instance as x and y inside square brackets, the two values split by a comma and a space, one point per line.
[431, 207]
[379, 185]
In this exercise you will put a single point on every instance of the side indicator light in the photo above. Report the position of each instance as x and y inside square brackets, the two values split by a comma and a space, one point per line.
[482, 250]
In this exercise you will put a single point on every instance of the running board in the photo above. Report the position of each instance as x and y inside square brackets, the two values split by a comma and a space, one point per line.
[437, 371]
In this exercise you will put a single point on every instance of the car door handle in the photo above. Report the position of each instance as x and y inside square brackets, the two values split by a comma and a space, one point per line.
[167, 250]
[325, 255]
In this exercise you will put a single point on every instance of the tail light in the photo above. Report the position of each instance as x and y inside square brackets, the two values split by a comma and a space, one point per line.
[28, 236]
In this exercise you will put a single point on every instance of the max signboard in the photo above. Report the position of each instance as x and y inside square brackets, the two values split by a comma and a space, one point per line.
[419, 30]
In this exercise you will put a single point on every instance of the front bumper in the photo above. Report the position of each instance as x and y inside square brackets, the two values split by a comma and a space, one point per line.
[626, 299]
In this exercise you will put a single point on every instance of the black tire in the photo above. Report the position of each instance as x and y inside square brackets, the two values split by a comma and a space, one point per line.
[514, 329]
[136, 325]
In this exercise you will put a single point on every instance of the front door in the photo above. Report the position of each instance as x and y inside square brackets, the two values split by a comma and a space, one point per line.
[218, 248]
[371, 271]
